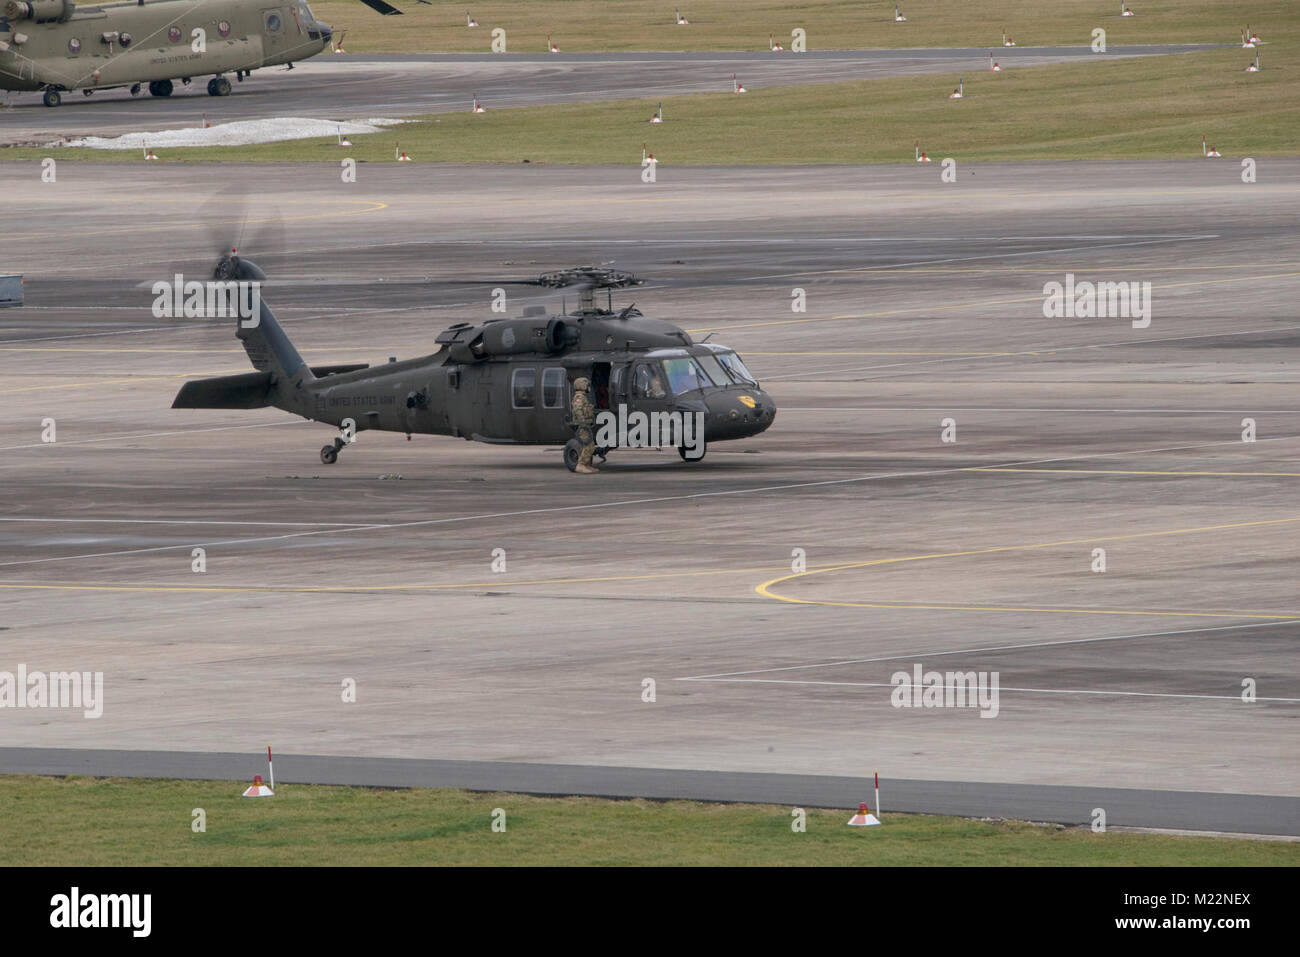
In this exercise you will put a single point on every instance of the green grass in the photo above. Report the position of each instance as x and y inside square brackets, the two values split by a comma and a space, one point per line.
[1153, 107]
[85, 821]
[581, 25]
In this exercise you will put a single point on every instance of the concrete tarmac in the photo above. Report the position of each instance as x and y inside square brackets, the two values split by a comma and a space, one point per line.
[924, 304]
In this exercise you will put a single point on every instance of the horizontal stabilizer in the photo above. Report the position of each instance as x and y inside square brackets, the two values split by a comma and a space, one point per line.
[251, 390]
[387, 9]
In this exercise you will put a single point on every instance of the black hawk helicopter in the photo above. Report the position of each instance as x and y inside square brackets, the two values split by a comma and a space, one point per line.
[504, 381]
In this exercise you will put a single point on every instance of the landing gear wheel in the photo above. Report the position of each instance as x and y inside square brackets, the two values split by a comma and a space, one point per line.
[87, 92]
[681, 450]
[218, 86]
[135, 89]
[161, 88]
[52, 98]
[329, 454]
[572, 452]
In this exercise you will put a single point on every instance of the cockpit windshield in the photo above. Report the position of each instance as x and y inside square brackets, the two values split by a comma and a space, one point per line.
[308, 16]
[736, 369]
[684, 375]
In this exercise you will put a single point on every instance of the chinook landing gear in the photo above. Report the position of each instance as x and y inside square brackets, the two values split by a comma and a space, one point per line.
[52, 98]
[161, 88]
[135, 89]
[218, 86]
[329, 454]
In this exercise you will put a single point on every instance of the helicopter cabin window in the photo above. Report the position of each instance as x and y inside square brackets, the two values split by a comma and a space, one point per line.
[553, 383]
[272, 21]
[523, 388]
[647, 382]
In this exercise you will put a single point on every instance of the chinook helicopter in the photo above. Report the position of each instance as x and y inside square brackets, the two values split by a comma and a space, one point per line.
[56, 46]
[503, 381]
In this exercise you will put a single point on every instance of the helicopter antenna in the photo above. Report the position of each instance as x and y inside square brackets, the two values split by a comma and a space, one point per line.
[708, 337]
[627, 312]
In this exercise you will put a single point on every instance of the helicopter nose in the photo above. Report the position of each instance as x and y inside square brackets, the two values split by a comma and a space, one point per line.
[738, 413]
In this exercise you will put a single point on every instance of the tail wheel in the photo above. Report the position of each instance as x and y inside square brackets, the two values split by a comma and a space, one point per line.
[572, 452]
[329, 454]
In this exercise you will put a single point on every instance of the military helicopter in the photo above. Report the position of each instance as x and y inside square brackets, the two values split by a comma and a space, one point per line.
[503, 381]
[56, 46]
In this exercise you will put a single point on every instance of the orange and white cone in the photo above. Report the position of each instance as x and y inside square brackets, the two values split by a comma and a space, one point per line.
[1208, 151]
[772, 44]
[737, 86]
[150, 154]
[659, 115]
[551, 46]
[898, 15]
[863, 818]
[920, 153]
[993, 65]
[1006, 40]
[257, 789]
[470, 21]
[477, 107]
[401, 156]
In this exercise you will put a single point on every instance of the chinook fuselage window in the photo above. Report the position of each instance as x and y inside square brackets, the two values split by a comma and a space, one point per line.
[523, 388]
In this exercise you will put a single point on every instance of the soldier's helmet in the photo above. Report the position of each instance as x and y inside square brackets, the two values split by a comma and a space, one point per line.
[581, 385]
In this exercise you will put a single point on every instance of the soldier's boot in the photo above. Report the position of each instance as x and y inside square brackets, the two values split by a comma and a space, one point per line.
[586, 470]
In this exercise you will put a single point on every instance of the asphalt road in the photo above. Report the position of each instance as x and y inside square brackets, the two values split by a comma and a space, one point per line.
[925, 302]
[394, 85]
[1183, 810]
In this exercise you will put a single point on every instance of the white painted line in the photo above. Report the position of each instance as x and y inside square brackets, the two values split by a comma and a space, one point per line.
[131, 437]
[788, 409]
[184, 521]
[886, 684]
[426, 523]
[918, 656]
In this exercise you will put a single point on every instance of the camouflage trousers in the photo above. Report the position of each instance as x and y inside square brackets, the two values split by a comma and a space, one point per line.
[588, 445]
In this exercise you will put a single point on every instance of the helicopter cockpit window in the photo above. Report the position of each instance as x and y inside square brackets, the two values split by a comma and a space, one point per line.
[523, 388]
[553, 383]
[736, 369]
[647, 382]
[685, 375]
[713, 369]
[307, 15]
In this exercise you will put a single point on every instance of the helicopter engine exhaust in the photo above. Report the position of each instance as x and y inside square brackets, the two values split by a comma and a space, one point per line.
[42, 11]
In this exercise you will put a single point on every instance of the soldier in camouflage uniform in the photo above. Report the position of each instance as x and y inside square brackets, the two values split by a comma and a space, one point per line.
[584, 419]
